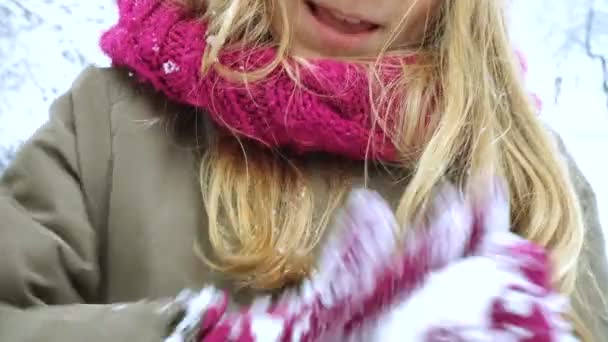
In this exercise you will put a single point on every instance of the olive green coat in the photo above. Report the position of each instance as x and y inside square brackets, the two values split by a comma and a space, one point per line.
[101, 207]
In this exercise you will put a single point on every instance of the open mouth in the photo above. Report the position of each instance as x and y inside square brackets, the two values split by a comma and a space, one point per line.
[340, 22]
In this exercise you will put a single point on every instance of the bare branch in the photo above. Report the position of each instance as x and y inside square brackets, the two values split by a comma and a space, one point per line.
[597, 56]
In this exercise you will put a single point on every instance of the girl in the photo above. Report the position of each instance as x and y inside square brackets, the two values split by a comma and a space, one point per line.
[246, 124]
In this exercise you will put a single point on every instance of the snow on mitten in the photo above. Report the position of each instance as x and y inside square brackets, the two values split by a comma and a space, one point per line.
[201, 309]
[501, 292]
[459, 275]
[363, 269]
[363, 245]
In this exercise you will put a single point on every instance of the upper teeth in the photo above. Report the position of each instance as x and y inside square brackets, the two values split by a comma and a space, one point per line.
[346, 19]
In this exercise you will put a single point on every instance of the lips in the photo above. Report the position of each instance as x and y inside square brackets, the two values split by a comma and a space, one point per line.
[340, 22]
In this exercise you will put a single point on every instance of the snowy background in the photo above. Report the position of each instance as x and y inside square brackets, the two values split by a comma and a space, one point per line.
[44, 44]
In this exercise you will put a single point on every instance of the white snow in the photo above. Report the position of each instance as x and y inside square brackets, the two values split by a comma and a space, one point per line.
[170, 67]
[44, 44]
[43, 47]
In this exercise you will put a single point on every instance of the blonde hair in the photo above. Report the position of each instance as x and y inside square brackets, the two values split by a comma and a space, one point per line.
[264, 222]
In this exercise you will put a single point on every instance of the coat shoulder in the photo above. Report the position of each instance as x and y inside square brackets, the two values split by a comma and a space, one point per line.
[584, 190]
[591, 293]
[112, 83]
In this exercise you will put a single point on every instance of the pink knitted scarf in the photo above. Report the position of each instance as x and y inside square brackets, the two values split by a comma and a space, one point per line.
[330, 112]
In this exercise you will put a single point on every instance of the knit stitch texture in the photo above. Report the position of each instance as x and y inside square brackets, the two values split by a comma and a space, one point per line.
[328, 112]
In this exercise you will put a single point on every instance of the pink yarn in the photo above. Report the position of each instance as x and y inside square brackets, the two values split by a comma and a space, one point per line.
[331, 113]
[365, 276]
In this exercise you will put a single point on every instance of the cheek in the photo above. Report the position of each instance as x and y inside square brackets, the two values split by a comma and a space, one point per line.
[419, 15]
[281, 10]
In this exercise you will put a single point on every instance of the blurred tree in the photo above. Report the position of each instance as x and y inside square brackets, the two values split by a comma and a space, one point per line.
[6, 155]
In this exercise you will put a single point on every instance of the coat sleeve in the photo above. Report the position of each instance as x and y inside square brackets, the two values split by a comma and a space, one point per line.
[590, 299]
[50, 275]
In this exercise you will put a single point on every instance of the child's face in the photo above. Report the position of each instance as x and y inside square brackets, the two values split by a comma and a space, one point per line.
[355, 28]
